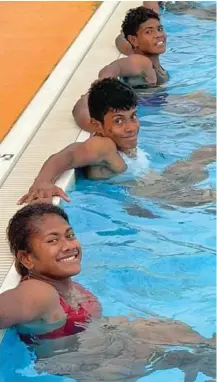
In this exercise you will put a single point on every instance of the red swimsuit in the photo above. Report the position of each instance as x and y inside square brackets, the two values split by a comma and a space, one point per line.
[75, 318]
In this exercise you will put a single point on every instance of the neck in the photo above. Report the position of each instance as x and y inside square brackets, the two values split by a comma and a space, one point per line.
[128, 151]
[155, 60]
[61, 285]
[153, 57]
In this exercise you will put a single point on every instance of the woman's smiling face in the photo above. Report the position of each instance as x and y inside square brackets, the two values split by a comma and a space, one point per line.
[54, 250]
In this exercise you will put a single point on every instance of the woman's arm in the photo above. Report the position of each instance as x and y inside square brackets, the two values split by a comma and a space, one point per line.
[29, 301]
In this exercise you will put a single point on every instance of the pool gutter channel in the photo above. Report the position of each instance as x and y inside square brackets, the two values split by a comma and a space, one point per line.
[49, 115]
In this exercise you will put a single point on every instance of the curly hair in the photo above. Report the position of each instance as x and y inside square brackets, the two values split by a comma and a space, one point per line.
[134, 18]
[22, 226]
[110, 94]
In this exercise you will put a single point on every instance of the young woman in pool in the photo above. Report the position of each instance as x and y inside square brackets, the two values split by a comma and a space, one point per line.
[53, 314]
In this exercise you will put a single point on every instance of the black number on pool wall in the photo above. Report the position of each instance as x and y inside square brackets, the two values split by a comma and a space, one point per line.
[6, 156]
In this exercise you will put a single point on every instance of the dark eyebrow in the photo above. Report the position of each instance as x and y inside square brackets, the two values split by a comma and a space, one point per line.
[57, 233]
[69, 229]
[51, 233]
[117, 115]
[144, 27]
[122, 115]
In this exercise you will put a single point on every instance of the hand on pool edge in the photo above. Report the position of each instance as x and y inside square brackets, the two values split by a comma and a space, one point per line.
[43, 192]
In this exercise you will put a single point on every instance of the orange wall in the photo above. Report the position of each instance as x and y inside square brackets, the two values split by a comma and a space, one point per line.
[33, 37]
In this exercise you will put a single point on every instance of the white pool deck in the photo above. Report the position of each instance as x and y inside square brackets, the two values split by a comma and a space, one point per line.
[47, 126]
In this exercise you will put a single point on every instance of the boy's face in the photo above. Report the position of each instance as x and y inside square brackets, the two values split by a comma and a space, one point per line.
[150, 38]
[121, 126]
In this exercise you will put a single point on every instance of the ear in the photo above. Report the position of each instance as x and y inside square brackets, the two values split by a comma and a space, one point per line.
[133, 41]
[26, 259]
[96, 126]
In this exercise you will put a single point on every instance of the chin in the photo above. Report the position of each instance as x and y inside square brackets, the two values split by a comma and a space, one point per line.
[127, 145]
[160, 50]
[70, 271]
[75, 271]
[132, 145]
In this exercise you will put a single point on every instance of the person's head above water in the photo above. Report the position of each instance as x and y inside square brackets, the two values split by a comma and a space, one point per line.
[112, 106]
[43, 242]
[142, 28]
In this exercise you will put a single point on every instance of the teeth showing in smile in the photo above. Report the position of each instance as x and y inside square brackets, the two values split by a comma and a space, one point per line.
[160, 42]
[71, 258]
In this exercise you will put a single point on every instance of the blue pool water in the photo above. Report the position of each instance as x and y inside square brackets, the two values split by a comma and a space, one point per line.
[163, 266]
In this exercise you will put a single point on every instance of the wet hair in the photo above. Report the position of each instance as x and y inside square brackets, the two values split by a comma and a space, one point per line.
[135, 17]
[22, 226]
[110, 94]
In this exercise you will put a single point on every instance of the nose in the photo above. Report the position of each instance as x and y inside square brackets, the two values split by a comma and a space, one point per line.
[67, 245]
[159, 33]
[131, 127]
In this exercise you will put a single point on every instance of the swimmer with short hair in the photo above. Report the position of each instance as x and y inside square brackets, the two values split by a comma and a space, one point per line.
[112, 150]
[145, 34]
[193, 8]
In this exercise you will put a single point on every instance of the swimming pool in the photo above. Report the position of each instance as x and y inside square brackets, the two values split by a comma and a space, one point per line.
[161, 266]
